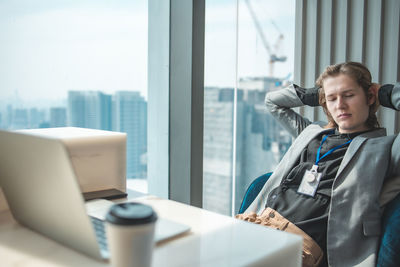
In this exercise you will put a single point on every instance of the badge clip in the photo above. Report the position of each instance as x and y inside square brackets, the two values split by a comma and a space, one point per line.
[310, 181]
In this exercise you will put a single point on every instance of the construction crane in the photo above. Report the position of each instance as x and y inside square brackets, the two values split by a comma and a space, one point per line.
[273, 57]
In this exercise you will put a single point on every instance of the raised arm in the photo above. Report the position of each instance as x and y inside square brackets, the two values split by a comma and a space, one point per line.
[389, 95]
[280, 104]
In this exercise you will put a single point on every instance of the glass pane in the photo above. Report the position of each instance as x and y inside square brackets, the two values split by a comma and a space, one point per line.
[220, 38]
[76, 63]
[265, 31]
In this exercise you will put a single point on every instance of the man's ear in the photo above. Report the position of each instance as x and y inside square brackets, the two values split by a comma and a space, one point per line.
[372, 100]
[371, 96]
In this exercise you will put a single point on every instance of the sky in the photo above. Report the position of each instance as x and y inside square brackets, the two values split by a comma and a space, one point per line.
[48, 47]
[220, 39]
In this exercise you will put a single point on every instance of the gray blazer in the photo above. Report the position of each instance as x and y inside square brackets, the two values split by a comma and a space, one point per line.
[354, 219]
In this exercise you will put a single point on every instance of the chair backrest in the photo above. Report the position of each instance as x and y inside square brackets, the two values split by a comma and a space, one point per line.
[253, 190]
[389, 247]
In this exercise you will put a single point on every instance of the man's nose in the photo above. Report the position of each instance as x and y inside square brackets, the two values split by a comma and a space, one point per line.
[341, 103]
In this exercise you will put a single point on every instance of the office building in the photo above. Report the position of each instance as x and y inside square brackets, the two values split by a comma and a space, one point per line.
[105, 112]
[58, 117]
[76, 108]
[89, 109]
[130, 116]
[261, 83]
[9, 115]
[260, 144]
[126, 112]
[36, 117]
[20, 119]
[218, 147]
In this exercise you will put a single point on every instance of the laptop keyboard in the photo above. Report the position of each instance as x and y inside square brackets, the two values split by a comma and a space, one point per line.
[100, 232]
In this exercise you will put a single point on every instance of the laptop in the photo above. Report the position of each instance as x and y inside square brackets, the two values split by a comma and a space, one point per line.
[43, 194]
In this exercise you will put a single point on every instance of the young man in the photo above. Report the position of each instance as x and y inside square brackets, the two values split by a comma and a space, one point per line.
[328, 183]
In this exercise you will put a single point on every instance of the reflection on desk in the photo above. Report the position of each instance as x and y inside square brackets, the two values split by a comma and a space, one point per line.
[214, 240]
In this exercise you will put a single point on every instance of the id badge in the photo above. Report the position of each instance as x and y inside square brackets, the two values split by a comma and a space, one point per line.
[310, 182]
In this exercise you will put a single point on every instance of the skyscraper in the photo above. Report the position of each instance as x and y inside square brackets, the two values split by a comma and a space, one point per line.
[9, 116]
[36, 117]
[130, 116]
[218, 147]
[105, 112]
[260, 143]
[76, 109]
[20, 119]
[89, 109]
[58, 117]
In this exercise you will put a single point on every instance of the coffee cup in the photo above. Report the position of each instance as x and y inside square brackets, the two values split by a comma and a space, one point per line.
[130, 229]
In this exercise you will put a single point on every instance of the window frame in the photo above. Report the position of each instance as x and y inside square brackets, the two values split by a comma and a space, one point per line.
[176, 99]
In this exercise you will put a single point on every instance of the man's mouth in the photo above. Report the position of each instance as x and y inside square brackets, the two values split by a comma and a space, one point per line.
[344, 116]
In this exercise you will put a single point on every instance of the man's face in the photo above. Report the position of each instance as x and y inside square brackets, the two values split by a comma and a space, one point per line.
[347, 103]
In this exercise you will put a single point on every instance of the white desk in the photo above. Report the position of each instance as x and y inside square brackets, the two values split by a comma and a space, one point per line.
[214, 240]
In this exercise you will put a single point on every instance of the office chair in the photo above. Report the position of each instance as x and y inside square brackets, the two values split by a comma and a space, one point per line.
[389, 247]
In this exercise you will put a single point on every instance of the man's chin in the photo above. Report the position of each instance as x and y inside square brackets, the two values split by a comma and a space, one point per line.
[351, 129]
[346, 128]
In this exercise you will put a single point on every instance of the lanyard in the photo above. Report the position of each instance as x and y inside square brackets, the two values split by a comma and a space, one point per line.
[330, 151]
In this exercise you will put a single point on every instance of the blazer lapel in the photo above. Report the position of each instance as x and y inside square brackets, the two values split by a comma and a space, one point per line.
[355, 146]
[351, 151]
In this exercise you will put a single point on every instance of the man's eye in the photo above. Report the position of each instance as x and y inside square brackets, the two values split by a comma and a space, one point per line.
[349, 95]
[331, 99]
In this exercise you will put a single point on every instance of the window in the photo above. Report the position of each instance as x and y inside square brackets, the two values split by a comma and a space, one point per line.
[242, 141]
[79, 63]
[85, 64]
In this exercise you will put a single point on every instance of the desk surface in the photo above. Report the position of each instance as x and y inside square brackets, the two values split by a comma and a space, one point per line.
[214, 240]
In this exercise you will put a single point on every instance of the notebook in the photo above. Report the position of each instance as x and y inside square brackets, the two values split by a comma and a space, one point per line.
[43, 194]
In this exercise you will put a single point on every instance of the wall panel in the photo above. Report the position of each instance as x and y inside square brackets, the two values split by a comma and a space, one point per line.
[330, 32]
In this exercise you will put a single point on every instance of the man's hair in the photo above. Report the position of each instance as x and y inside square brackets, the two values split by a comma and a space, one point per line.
[361, 75]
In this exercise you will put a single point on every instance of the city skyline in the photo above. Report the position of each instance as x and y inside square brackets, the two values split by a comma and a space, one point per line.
[52, 47]
[260, 140]
[99, 48]
[124, 111]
